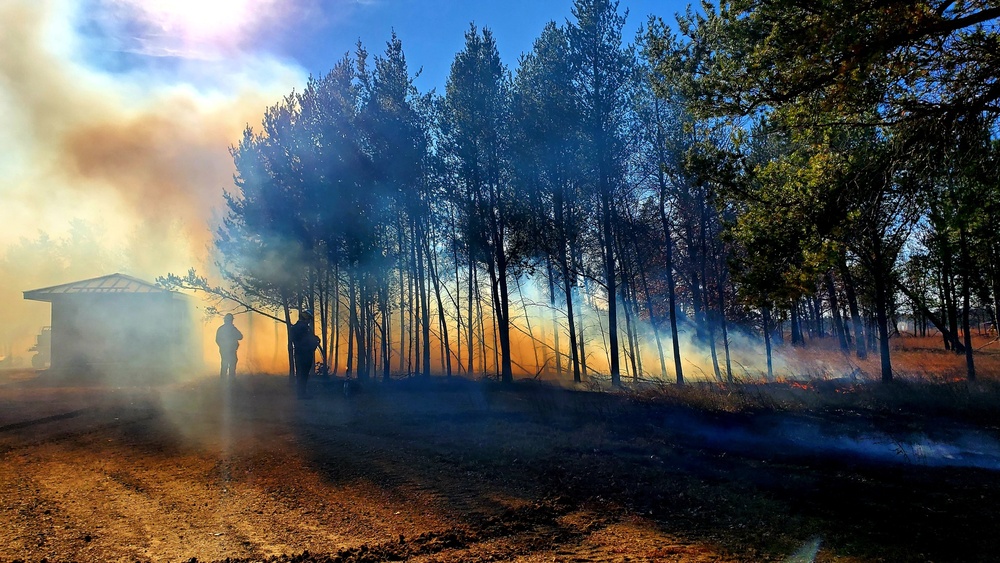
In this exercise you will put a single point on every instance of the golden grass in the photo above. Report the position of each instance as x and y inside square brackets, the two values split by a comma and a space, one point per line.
[913, 358]
[928, 381]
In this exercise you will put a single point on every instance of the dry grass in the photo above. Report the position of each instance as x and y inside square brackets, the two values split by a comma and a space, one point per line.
[913, 358]
[929, 382]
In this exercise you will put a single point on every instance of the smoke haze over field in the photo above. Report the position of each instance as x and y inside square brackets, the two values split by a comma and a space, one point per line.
[108, 166]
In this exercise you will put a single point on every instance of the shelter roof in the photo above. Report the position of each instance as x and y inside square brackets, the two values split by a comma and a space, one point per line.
[104, 285]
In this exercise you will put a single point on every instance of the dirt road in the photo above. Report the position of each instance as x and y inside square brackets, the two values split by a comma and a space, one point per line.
[447, 472]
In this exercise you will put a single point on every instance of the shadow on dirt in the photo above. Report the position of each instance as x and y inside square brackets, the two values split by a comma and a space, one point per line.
[502, 460]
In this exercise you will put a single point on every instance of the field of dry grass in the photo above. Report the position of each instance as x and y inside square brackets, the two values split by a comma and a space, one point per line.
[913, 358]
[929, 382]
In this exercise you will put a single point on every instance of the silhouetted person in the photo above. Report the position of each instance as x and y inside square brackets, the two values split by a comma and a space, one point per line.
[228, 338]
[304, 343]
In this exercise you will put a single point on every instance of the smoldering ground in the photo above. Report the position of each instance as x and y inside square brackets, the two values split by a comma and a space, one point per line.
[936, 444]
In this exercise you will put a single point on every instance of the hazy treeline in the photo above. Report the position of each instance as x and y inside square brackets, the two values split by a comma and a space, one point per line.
[635, 181]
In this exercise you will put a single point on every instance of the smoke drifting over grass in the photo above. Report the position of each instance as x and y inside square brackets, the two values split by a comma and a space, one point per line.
[531, 307]
[944, 445]
[112, 159]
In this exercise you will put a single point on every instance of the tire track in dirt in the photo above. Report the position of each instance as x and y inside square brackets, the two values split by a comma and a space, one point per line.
[143, 505]
[66, 427]
[511, 533]
[43, 420]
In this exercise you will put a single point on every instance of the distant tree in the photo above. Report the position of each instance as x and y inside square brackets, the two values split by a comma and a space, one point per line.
[958, 169]
[603, 71]
[851, 82]
[477, 106]
[398, 143]
[547, 162]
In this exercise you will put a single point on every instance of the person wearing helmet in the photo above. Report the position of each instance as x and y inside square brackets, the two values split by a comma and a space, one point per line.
[304, 344]
[228, 338]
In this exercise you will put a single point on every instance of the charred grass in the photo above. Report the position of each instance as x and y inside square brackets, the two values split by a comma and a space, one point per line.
[904, 510]
[701, 463]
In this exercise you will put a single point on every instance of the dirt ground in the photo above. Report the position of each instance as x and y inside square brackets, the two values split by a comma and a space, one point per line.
[463, 471]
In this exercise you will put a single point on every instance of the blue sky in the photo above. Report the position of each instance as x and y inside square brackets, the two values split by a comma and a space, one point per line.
[432, 31]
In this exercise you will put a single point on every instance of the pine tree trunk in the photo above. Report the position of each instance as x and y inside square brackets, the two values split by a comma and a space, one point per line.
[767, 342]
[352, 322]
[443, 323]
[725, 328]
[838, 320]
[482, 326]
[583, 341]
[336, 319]
[360, 328]
[970, 363]
[671, 285]
[324, 314]
[386, 328]
[881, 319]
[458, 312]
[422, 288]
[707, 316]
[473, 295]
[668, 243]
[796, 322]
[527, 321]
[817, 314]
[503, 317]
[949, 295]
[852, 302]
[285, 308]
[402, 295]
[652, 319]
[633, 346]
[570, 320]
[611, 282]
[413, 350]
[555, 323]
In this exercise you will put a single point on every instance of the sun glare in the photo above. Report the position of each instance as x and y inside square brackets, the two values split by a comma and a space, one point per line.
[197, 28]
[199, 20]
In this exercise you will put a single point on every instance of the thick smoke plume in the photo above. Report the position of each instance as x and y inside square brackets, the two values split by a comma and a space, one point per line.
[113, 159]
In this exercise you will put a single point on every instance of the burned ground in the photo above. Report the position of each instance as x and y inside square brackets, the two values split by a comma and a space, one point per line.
[475, 471]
